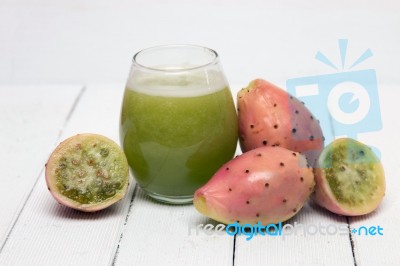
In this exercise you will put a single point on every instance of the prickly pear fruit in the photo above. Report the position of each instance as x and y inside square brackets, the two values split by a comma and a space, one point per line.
[87, 172]
[267, 185]
[349, 178]
[269, 116]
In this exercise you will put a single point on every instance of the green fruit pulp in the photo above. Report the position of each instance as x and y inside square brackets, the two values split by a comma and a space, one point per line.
[175, 144]
[91, 172]
[353, 172]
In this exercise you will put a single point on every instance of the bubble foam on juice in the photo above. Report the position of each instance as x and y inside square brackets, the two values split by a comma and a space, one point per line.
[178, 84]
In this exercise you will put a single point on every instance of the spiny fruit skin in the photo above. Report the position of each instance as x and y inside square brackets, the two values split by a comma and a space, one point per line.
[267, 185]
[87, 172]
[349, 178]
[269, 116]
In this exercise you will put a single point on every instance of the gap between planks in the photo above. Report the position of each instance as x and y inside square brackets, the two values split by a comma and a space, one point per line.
[73, 107]
[115, 257]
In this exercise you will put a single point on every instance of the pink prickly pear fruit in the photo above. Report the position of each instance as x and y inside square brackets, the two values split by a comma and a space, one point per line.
[267, 185]
[349, 178]
[269, 116]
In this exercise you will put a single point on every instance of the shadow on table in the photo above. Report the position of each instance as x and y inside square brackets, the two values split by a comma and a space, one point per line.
[60, 211]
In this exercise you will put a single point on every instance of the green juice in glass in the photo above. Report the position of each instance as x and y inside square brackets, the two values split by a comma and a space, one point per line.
[177, 132]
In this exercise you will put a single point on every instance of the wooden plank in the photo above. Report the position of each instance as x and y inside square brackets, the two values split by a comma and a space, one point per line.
[31, 119]
[306, 247]
[159, 234]
[49, 234]
[383, 249]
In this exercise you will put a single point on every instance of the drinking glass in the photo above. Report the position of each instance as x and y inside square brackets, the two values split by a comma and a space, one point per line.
[178, 122]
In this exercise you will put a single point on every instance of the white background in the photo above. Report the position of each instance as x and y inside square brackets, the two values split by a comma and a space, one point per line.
[63, 41]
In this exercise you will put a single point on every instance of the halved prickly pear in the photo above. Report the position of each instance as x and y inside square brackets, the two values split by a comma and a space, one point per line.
[267, 185]
[349, 178]
[87, 172]
[269, 116]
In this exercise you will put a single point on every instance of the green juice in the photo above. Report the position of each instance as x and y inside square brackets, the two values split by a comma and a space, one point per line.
[175, 144]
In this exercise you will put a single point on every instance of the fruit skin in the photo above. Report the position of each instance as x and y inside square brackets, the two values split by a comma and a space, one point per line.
[354, 167]
[267, 185]
[269, 116]
[86, 142]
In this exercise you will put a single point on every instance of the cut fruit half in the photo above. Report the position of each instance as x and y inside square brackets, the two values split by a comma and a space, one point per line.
[87, 172]
[349, 178]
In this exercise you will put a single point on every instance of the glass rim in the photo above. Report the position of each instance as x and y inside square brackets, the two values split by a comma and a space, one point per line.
[210, 62]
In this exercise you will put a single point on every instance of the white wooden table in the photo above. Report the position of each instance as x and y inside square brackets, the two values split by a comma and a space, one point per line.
[35, 230]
